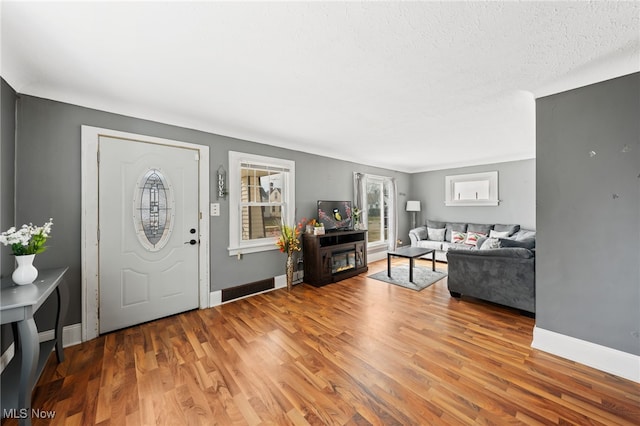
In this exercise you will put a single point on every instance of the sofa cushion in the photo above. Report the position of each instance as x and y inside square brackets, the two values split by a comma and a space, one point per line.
[528, 243]
[511, 229]
[436, 234]
[479, 227]
[453, 226]
[456, 246]
[523, 234]
[428, 244]
[435, 224]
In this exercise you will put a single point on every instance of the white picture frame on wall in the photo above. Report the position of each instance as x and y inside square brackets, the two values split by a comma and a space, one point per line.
[474, 189]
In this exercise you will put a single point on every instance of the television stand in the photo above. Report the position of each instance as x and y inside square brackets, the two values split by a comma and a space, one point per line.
[334, 256]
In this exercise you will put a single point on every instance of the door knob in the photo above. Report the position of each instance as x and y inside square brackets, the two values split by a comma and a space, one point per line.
[192, 242]
[192, 230]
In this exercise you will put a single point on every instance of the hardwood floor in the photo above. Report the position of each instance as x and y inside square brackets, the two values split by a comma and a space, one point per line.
[355, 352]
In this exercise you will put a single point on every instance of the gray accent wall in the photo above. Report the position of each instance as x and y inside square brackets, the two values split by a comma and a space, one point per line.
[588, 195]
[7, 171]
[516, 191]
[48, 177]
[7, 154]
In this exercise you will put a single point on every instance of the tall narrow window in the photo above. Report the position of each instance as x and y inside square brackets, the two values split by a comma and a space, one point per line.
[376, 197]
[261, 197]
[377, 210]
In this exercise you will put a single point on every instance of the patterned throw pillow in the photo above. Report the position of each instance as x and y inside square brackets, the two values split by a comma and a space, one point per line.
[472, 238]
[490, 243]
[458, 237]
[498, 234]
[436, 234]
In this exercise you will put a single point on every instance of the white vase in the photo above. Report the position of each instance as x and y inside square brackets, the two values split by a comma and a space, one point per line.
[25, 273]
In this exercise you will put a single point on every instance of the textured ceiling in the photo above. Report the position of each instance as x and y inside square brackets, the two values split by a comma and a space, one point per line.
[408, 86]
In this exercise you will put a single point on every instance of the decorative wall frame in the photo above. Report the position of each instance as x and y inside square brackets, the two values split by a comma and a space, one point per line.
[474, 189]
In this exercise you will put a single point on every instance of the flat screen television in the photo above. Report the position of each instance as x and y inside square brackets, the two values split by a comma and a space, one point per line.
[335, 215]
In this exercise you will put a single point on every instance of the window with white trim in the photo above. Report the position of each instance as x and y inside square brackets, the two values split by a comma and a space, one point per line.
[377, 210]
[261, 197]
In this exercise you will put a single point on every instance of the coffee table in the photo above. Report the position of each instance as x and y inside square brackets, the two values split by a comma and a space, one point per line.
[410, 253]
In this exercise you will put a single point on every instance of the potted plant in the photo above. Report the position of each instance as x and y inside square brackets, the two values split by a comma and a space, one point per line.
[25, 243]
[288, 243]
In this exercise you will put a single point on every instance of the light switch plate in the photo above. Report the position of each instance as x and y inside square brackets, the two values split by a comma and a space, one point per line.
[215, 209]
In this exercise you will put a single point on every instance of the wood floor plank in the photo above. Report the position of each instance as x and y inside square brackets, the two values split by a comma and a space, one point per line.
[356, 352]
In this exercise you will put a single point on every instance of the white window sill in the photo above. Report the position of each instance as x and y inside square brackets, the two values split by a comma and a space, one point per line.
[235, 251]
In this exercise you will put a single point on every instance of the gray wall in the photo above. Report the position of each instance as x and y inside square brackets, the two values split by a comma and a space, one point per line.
[588, 246]
[7, 155]
[516, 190]
[7, 148]
[48, 178]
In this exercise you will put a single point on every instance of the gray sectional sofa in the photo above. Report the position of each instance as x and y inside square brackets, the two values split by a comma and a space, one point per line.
[503, 275]
[492, 262]
[438, 235]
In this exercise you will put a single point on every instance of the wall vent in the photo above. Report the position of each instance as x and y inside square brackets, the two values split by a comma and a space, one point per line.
[247, 289]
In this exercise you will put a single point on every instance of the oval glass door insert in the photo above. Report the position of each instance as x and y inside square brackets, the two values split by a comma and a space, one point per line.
[153, 210]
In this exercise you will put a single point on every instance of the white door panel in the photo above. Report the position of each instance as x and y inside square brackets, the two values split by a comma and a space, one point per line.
[146, 272]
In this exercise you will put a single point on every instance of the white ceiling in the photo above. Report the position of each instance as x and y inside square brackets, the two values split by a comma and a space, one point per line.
[408, 86]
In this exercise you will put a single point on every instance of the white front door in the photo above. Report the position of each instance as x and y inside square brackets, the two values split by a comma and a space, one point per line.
[148, 212]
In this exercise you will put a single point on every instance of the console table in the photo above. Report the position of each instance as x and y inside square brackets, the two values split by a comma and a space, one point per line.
[18, 304]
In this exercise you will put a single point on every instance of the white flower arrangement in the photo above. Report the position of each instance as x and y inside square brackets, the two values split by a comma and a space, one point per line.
[27, 240]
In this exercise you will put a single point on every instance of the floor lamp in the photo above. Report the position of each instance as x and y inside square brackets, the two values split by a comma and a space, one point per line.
[413, 207]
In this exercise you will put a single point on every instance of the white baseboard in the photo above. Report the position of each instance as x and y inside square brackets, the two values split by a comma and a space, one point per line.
[71, 335]
[378, 255]
[603, 358]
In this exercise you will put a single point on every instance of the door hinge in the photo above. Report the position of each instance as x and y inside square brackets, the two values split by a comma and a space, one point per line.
[200, 213]
[197, 156]
[98, 234]
[98, 156]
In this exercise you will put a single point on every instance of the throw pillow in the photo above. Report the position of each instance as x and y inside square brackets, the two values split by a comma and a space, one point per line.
[511, 229]
[436, 234]
[523, 234]
[498, 234]
[460, 227]
[529, 243]
[458, 237]
[472, 238]
[481, 241]
[490, 243]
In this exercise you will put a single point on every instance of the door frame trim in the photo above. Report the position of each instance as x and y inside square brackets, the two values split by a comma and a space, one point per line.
[89, 232]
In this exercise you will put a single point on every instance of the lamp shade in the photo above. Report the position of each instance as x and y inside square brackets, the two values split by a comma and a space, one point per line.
[413, 206]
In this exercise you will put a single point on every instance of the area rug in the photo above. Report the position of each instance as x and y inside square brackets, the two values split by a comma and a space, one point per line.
[422, 277]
